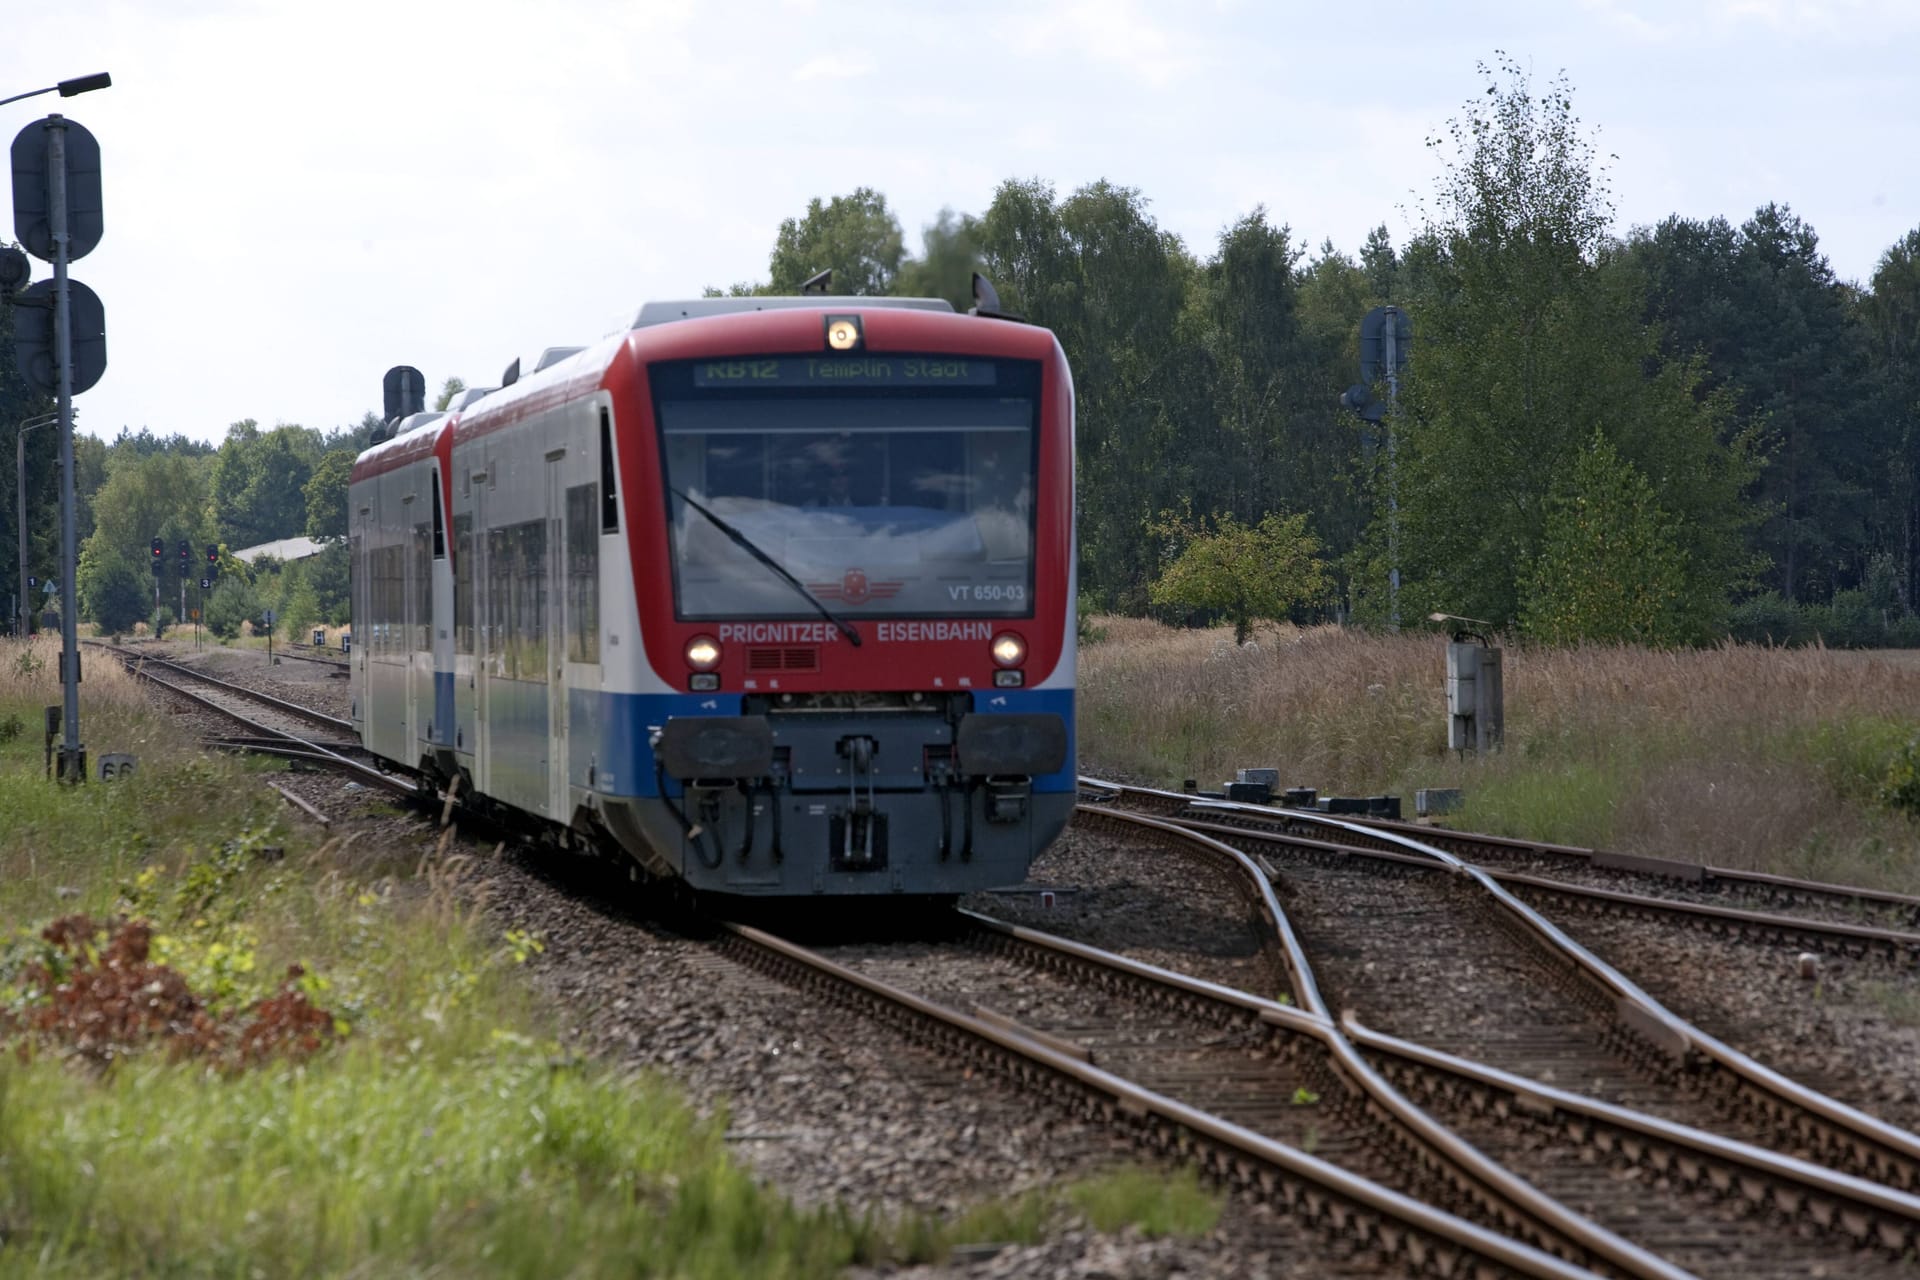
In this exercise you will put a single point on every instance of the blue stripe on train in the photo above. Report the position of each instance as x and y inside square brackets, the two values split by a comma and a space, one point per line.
[440, 732]
[624, 759]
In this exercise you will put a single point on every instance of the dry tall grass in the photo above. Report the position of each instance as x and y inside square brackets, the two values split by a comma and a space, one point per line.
[1739, 755]
[116, 714]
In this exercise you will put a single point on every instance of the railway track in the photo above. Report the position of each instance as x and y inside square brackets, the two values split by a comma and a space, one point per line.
[307, 653]
[1677, 878]
[270, 725]
[1624, 1192]
[1355, 1214]
[1641, 876]
[1643, 894]
[1709, 1203]
[1600, 1022]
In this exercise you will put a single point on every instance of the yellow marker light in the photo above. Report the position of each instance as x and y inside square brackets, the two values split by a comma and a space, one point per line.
[1009, 650]
[703, 653]
[843, 332]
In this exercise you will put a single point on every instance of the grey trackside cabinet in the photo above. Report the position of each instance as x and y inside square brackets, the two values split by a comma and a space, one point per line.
[1475, 703]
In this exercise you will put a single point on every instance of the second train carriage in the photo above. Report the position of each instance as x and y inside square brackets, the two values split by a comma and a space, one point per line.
[776, 594]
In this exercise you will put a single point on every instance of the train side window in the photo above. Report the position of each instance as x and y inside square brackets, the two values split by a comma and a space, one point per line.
[439, 523]
[583, 577]
[609, 496]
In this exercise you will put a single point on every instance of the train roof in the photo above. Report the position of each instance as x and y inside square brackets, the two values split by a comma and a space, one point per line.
[653, 313]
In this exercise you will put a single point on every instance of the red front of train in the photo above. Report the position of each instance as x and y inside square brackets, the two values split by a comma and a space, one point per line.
[850, 526]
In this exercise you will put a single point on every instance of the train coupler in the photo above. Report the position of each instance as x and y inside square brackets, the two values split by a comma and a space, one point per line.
[858, 837]
[1007, 799]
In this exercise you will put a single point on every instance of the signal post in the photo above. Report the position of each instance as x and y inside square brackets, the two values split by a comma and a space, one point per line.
[60, 329]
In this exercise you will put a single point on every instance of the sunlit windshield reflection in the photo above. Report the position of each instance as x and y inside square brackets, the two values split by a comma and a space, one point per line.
[880, 505]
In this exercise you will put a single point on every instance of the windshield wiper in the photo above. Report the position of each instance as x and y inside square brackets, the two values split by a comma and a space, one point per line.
[746, 544]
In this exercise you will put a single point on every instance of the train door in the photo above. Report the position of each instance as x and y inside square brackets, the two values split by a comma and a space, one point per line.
[485, 639]
[420, 626]
[465, 712]
[559, 798]
[357, 619]
[407, 628]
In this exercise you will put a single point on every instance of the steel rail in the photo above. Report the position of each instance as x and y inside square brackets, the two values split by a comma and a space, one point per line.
[1897, 945]
[1517, 1205]
[252, 695]
[1871, 1212]
[309, 657]
[1329, 1197]
[296, 747]
[1863, 1144]
[1475, 844]
[1868, 1211]
[1854, 939]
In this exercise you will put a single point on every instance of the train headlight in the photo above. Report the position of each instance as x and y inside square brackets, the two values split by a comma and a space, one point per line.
[703, 653]
[843, 333]
[1009, 650]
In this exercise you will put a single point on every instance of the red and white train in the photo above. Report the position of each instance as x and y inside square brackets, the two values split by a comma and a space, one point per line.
[774, 594]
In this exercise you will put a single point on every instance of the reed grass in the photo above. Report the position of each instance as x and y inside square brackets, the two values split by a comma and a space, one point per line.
[1739, 755]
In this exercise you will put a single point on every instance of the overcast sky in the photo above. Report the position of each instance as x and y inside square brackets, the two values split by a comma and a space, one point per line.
[299, 195]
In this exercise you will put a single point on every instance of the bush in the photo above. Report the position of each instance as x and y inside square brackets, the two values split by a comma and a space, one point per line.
[162, 619]
[1853, 620]
[115, 594]
[1770, 619]
[1900, 788]
[1087, 608]
[233, 602]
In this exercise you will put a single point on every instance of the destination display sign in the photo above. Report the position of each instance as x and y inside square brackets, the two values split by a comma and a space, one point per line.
[840, 372]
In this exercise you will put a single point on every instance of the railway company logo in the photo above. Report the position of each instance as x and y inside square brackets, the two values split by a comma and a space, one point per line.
[855, 587]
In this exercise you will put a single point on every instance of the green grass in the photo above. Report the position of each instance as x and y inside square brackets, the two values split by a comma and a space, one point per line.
[1157, 1204]
[445, 1132]
[1566, 803]
[503, 1163]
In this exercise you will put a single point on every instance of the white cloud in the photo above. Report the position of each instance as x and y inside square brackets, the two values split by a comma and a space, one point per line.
[1115, 33]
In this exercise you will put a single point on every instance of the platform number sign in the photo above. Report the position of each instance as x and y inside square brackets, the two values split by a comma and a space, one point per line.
[116, 764]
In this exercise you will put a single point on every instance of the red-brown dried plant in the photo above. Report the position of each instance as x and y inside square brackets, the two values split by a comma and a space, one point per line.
[104, 1002]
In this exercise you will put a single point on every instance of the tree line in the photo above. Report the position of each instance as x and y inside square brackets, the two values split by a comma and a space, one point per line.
[1666, 436]
[1685, 431]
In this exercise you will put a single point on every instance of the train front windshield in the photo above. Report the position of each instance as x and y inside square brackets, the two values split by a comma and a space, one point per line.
[889, 486]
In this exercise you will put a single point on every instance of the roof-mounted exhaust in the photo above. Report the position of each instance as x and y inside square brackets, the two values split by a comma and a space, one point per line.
[403, 394]
[512, 375]
[986, 301]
